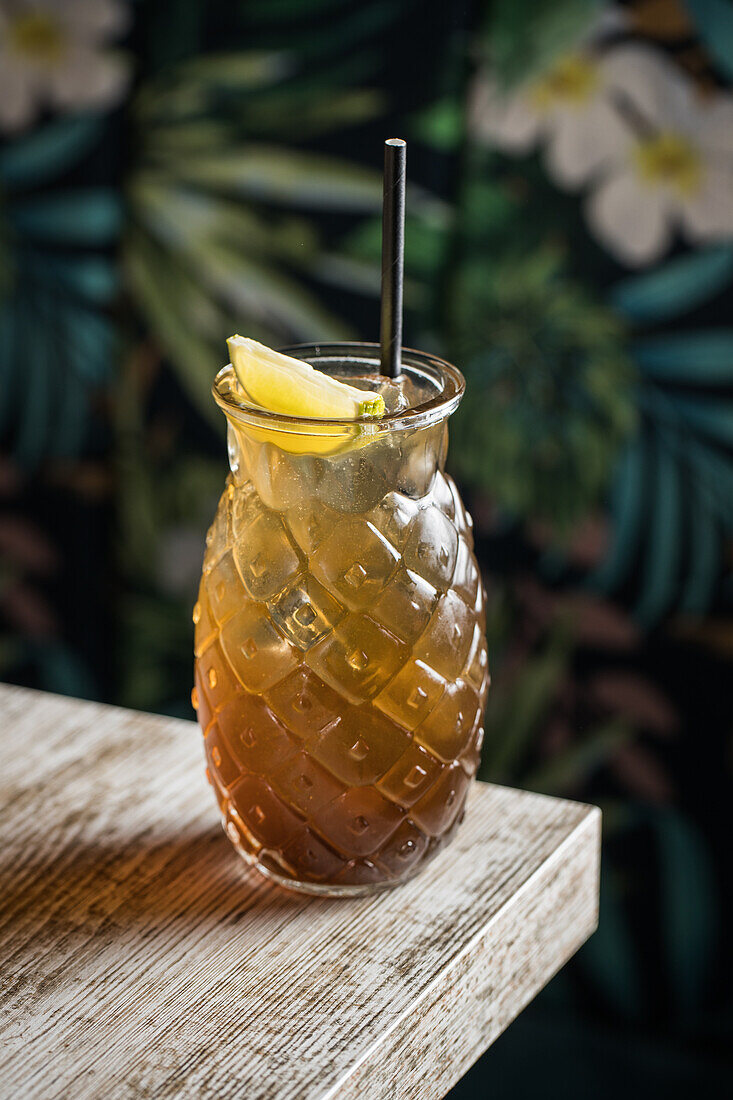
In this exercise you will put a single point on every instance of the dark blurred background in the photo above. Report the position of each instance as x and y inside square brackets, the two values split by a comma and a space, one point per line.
[175, 170]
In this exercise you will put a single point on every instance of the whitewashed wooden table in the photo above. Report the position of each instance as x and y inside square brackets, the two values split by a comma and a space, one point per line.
[139, 958]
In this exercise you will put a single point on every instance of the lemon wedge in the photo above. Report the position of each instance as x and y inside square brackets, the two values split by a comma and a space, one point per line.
[286, 385]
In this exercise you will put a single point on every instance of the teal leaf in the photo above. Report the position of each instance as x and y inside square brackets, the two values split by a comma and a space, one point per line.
[46, 153]
[690, 905]
[704, 559]
[676, 288]
[710, 468]
[88, 217]
[627, 510]
[53, 353]
[71, 413]
[663, 549]
[35, 411]
[710, 418]
[90, 345]
[704, 357]
[609, 958]
[714, 22]
[92, 277]
[287, 176]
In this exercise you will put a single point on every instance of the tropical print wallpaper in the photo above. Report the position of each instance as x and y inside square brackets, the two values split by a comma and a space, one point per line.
[175, 170]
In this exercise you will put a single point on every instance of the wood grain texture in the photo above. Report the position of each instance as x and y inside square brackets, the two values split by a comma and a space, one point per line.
[140, 958]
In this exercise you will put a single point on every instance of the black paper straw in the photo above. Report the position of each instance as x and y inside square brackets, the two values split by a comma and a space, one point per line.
[393, 255]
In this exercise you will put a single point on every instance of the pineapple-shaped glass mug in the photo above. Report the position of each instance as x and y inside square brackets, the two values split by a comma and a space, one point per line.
[341, 670]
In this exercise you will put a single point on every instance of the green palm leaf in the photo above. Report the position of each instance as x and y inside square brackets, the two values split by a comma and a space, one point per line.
[213, 243]
[47, 152]
[286, 176]
[671, 506]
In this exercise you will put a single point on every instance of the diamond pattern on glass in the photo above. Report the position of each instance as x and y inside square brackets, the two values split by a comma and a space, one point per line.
[246, 508]
[205, 624]
[476, 671]
[411, 695]
[222, 584]
[256, 737]
[357, 658]
[305, 612]
[271, 821]
[204, 710]
[404, 849]
[393, 516]
[265, 558]
[215, 682]
[447, 639]
[221, 762]
[463, 521]
[411, 776]
[354, 562]
[310, 522]
[304, 784]
[466, 577]
[318, 691]
[471, 757]
[361, 747]
[432, 547]
[405, 605]
[436, 811]
[305, 705]
[358, 822]
[256, 652]
[446, 730]
[312, 856]
[217, 537]
[442, 497]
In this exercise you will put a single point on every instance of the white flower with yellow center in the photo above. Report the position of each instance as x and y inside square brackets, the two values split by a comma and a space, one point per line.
[52, 54]
[631, 123]
[567, 107]
[676, 169]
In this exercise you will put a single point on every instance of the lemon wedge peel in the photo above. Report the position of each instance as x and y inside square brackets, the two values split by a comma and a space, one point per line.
[283, 384]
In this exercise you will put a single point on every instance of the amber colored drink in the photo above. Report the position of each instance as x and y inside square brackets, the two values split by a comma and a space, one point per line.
[341, 671]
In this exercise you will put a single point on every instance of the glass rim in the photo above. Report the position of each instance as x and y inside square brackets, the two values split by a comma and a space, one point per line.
[449, 378]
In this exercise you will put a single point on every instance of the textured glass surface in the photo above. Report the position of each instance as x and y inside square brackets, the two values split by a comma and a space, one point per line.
[341, 668]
